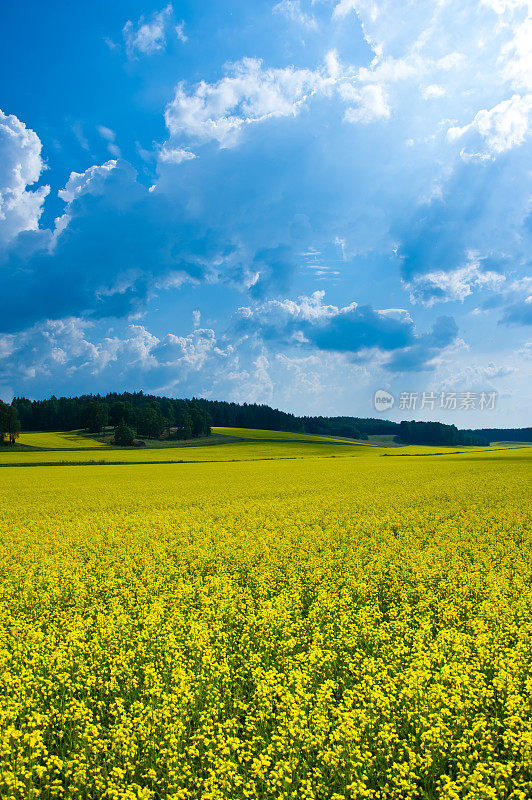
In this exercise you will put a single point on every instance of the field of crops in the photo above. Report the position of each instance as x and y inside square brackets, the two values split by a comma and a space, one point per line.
[61, 440]
[255, 433]
[310, 627]
[244, 450]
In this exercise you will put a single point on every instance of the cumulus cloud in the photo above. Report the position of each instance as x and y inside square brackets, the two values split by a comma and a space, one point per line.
[504, 126]
[457, 284]
[358, 331]
[72, 352]
[91, 181]
[248, 94]
[463, 238]
[333, 165]
[149, 36]
[424, 49]
[251, 93]
[113, 243]
[429, 42]
[21, 166]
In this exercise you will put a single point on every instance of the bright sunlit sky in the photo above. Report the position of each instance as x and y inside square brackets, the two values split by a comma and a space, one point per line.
[295, 202]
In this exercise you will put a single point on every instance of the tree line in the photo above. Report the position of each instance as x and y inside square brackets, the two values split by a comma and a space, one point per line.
[152, 416]
[436, 433]
[504, 434]
[130, 414]
[254, 415]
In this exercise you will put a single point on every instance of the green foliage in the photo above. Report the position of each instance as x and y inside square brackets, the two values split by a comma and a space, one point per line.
[94, 416]
[9, 423]
[183, 424]
[124, 435]
[149, 421]
[66, 413]
[121, 411]
[436, 433]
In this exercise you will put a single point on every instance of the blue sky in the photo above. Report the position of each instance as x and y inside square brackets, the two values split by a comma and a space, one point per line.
[295, 202]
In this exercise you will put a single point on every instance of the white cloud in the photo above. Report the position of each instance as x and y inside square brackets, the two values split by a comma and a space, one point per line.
[504, 126]
[251, 93]
[175, 155]
[459, 51]
[526, 351]
[65, 348]
[110, 137]
[293, 11]
[248, 94]
[147, 37]
[274, 313]
[47, 346]
[106, 133]
[433, 91]
[457, 284]
[478, 376]
[180, 32]
[190, 351]
[77, 130]
[21, 165]
[92, 181]
[343, 8]
[371, 105]
[424, 50]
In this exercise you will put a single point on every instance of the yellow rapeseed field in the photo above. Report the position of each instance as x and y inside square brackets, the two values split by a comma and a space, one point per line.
[60, 440]
[255, 433]
[326, 628]
[233, 451]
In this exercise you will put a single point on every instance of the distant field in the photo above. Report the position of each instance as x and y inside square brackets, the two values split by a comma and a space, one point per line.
[511, 444]
[244, 450]
[255, 433]
[226, 444]
[200, 441]
[383, 439]
[60, 440]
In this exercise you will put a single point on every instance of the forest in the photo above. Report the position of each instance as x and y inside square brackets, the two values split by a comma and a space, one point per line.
[136, 414]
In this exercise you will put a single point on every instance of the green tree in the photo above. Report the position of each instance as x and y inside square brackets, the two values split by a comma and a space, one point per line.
[200, 421]
[9, 423]
[183, 424]
[94, 416]
[121, 412]
[150, 422]
[124, 435]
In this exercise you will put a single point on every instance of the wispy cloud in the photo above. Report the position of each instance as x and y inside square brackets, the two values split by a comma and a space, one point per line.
[150, 35]
[292, 10]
